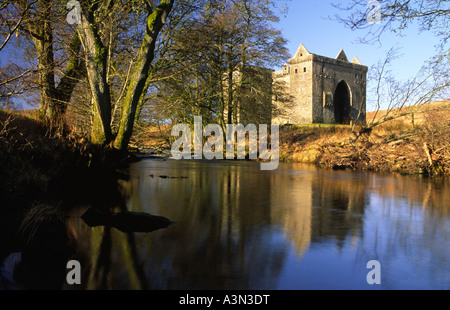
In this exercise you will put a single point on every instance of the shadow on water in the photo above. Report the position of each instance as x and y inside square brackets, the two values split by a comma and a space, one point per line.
[40, 240]
[103, 241]
[45, 249]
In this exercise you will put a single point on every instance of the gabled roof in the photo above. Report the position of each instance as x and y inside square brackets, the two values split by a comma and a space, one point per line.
[356, 61]
[301, 52]
[342, 56]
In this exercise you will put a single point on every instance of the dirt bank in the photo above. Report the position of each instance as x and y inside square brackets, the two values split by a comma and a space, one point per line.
[404, 144]
[390, 148]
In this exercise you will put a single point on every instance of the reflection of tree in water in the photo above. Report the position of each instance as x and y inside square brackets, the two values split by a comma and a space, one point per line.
[416, 251]
[101, 258]
[338, 208]
[238, 250]
[219, 240]
[105, 243]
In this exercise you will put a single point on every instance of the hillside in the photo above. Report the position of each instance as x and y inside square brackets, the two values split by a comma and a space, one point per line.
[415, 115]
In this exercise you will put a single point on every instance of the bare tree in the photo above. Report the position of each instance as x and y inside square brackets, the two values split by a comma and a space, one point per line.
[216, 60]
[400, 99]
[43, 23]
[12, 82]
[395, 16]
[378, 17]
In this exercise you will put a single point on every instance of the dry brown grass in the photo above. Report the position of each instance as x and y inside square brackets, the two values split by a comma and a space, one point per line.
[305, 143]
[415, 115]
[398, 145]
[394, 146]
[152, 137]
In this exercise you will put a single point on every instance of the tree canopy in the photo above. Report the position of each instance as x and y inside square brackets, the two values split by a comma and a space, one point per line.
[112, 59]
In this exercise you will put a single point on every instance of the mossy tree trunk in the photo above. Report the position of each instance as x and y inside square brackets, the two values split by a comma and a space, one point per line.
[42, 33]
[96, 69]
[140, 73]
[53, 97]
[74, 71]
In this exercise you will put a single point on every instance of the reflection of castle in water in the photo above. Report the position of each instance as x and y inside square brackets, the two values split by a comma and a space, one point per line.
[235, 210]
[338, 209]
[314, 207]
[292, 209]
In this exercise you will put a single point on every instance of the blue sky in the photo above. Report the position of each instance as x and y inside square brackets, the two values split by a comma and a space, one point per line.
[307, 22]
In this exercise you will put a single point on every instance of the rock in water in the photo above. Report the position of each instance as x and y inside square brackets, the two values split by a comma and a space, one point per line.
[138, 221]
[94, 217]
[126, 221]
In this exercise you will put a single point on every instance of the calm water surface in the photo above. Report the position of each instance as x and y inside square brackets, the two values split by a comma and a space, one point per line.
[297, 227]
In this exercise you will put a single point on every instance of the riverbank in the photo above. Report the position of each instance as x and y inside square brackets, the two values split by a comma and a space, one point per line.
[408, 145]
[390, 148]
[38, 169]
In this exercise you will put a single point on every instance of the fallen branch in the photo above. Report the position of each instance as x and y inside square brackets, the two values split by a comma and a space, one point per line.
[427, 152]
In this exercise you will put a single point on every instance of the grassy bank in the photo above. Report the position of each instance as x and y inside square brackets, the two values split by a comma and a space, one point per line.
[412, 144]
[392, 147]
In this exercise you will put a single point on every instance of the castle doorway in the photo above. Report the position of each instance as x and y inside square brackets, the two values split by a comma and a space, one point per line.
[341, 104]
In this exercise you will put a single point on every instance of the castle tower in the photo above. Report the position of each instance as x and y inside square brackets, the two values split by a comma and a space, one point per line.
[322, 89]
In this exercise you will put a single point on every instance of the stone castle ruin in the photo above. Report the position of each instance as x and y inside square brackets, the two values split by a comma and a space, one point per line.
[321, 89]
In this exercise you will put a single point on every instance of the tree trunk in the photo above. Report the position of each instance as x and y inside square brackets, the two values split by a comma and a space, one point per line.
[42, 34]
[230, 100]
[75, 70]
[53, 99]
[140, 73]
[96, 56]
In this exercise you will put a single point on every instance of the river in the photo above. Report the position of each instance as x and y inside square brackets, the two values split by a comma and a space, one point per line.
[296, 227]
